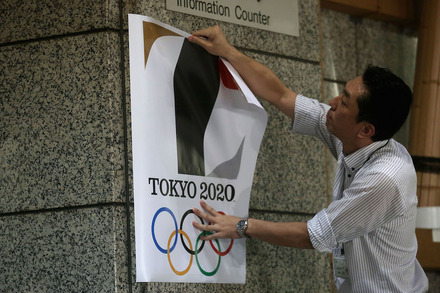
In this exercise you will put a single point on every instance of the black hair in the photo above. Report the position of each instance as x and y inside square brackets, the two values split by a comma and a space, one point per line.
[385, 103]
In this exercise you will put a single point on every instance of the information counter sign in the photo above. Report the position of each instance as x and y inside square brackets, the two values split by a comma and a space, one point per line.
[279, 16]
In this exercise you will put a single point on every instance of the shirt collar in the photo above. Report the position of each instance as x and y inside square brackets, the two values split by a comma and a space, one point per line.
[355, 160]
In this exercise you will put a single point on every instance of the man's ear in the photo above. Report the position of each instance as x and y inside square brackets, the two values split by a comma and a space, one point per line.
[367, 130]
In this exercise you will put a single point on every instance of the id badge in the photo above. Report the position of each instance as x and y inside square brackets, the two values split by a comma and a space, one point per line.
[340, 266]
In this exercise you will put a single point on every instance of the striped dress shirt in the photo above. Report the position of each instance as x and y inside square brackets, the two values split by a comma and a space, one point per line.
[371, 220]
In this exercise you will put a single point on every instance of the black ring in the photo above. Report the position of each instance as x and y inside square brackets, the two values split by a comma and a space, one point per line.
[181, 236]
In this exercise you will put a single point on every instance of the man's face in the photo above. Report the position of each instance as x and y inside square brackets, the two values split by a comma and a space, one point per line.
[342, 116]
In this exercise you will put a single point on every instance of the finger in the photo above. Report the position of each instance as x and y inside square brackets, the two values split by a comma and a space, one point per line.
[205, 37]
[205, 228]
[209, 237]
[208, 208]
[198, 225]
[204, 33]
[201, 41]
[202, 214]
[215, 234]
[199, 37]
[201, 226]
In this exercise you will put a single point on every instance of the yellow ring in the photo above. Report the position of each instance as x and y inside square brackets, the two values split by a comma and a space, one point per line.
[168, 253]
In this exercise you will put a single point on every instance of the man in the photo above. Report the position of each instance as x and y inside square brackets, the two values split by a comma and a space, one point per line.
[369, 226]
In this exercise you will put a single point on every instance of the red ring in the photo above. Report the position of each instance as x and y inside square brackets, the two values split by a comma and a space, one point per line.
[215, 249]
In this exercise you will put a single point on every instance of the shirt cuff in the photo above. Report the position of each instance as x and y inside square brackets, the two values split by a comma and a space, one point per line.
[321, 233]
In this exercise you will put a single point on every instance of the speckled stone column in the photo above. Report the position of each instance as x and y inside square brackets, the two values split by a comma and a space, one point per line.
[63, 215]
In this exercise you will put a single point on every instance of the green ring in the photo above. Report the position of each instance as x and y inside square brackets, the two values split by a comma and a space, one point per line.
[197, 258]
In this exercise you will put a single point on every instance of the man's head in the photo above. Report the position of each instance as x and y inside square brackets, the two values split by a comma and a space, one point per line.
[371, 107]
[385, 103]
[342, 118]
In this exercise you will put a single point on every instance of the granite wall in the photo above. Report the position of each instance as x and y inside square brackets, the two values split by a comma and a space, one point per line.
[66, 197]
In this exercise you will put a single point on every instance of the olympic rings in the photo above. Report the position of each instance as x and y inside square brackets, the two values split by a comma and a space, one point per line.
[197, 258]
[169, 258]
[181, 235]
[164, 209]
[190, 250]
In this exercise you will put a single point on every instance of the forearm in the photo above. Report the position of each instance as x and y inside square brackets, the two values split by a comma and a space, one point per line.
[292, 234]
[262, 81]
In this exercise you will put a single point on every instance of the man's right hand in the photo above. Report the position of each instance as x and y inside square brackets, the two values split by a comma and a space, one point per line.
[213, 40]
[260, 79]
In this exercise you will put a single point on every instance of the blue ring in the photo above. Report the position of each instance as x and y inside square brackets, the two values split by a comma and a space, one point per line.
[164, 209]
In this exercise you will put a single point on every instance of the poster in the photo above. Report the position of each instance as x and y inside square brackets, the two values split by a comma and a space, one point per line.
[196, 131]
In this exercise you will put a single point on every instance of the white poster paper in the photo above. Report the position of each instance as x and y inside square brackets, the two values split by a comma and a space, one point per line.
[196, 130]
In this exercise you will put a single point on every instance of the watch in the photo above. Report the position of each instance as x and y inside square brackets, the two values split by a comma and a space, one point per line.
[241, 228]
